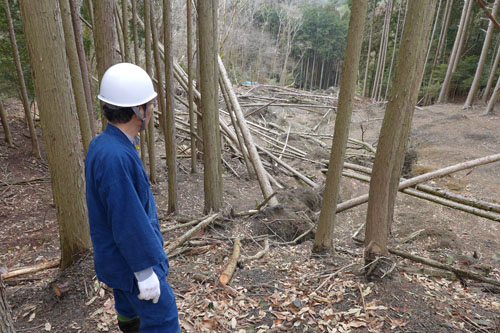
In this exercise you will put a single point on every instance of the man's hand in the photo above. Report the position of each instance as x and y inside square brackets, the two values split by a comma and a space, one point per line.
[149, 289]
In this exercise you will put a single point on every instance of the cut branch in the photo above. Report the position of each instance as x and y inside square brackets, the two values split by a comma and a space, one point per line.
[175, 244]
[231, 265]
[33, 269]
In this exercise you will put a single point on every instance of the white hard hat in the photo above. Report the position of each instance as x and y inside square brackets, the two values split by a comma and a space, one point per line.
[126, 85]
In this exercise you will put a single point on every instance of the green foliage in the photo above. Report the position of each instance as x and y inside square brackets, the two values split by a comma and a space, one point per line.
[9, 83]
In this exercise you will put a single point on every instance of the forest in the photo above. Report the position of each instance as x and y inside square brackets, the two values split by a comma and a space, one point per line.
[317, 165]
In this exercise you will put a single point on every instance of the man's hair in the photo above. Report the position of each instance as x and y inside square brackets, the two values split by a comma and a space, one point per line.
[117, 114]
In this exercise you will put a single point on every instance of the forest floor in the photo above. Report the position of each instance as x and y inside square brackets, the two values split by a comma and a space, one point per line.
[289, 289]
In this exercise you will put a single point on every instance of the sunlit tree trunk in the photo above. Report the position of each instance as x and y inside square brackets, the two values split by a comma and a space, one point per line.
[22, 84]
[192, 117]
[402, 100]
[149, 68]
[490, 108]
[76, 75]
[463, 36]
[210, 101]
[324, 236]
[75, 20]
[321, 75]
[170, 145]
[104, 39]
[482, 60]
[5, 125]
[44, 36]
[307, 75]
[6, 322]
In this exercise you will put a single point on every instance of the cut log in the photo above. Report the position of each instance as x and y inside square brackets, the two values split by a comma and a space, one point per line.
[33, 269]
[231, 265]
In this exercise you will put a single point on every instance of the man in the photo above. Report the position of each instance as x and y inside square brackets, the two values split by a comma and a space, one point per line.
[128, 245]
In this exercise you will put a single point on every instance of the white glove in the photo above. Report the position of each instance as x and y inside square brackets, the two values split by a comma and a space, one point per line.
[149, 289]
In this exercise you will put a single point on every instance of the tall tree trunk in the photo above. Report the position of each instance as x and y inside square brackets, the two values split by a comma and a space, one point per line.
[44, 36]
[324, 236]
[104, 40]
[170, 145]
[6, 322]
[313, 69]
[136, 38]
[445, 87]
[149, 68]
[126, 41]
[192, 117]
[76, 75]
[5, 125]
[402, 100]
[22, 84]
[379, 74]
[463, 36]
[493, 72]
[321, 75]
[408, 116]
[395, 42]
[490, 108]
[367, 67]
[442, 36]
[436, 18]
[75, 20]
[307, 74]
[159, 72]
[482, 60]
[119, 36]
[209, 102]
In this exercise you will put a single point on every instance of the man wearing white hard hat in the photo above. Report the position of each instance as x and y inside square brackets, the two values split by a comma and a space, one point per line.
[128, 244]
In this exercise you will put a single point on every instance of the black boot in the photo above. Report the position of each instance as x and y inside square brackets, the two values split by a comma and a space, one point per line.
[130, 326]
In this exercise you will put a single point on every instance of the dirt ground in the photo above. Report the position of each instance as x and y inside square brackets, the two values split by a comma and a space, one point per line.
[289, 289]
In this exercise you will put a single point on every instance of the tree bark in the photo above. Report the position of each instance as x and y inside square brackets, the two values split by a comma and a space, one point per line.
[326, 224]
[401, 102]
[192, 117]
[22, 84]
[6, 322]
[118, 31]
[312, 73]
[482, 59]
[44, 36]
[76, 75]
[226, 275]
[75, 20]
[158, 73]
[170, 145]
[5, 125]
[209, 104]
[104, 40]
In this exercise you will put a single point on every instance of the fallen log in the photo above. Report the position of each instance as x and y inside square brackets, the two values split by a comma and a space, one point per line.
[423, 178]
[179, 241]
[434, 198]
[32, 269]
[231, 265]
[458, 272]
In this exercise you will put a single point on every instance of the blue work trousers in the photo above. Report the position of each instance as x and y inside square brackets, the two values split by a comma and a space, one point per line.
[161, 317]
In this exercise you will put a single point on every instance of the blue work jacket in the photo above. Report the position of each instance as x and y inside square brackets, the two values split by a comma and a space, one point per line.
[122, 212]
